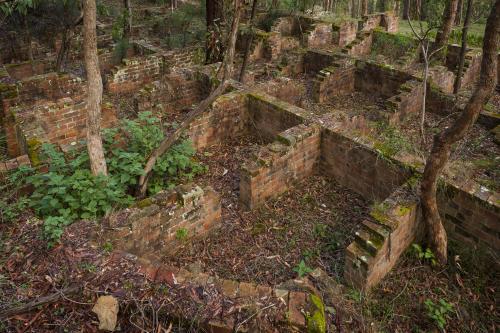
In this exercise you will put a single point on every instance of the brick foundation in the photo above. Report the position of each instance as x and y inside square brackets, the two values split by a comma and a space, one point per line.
[167, 220]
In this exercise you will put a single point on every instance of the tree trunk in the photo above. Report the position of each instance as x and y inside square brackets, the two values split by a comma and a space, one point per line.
[444, 142]
[463, 49]
[29, 39]
[62, 54]
[397, 8]
[364, 7]
[227, 67]
[458, 16]
[68, 33]
[446, 24]
[406, 9]
[127, 29]
[425, 52]
[214, 9]
[249, 42]
[94, 85]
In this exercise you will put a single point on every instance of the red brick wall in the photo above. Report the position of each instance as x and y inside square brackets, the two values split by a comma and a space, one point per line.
[359, 167]
[376, 79]
[227, 119]
[152, 231]
[133, 73]
[471, 214]
[344, 33]
[276, 166]
[271, 116]
[334, 80]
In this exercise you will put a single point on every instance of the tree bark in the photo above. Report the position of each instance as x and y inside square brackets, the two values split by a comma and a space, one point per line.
[249, 42]
[446, 24]
[364, 7]
[444, 142]
[227, 67]
[94, 87]
[68, 34]
[463, 49]
[460, 8]
[127, 29]
[406, 9]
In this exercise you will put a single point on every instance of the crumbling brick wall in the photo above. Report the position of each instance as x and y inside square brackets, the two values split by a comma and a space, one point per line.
[292, 157]
[227, 119]
[358, 166]
[344, 33]
[133, 73]
[379, 80]
[334, 80]
[163, 222]
[270, 116]
[471, 213]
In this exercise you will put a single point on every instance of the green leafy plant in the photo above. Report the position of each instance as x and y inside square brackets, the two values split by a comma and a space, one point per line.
[425, 255]
[439, 312]
[302, 269]
[181, 234]
[68, 191]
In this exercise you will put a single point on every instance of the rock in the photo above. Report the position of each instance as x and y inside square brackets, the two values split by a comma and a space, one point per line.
[106, 309]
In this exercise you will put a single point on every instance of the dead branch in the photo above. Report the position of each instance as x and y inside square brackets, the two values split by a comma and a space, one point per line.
[204, 105]
[37, 302]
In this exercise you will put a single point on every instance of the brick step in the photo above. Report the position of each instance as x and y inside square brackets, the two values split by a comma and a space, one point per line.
[364, 257]
[369, 238]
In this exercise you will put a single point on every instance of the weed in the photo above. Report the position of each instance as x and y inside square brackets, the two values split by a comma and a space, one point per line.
[438, 312]
[107, 247]
[426, 255]
[181, 234]
[302, 269]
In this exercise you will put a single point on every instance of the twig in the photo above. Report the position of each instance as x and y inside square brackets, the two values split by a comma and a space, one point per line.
[253, 315]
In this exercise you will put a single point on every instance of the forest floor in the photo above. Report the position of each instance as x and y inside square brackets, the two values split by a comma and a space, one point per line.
[312, 222]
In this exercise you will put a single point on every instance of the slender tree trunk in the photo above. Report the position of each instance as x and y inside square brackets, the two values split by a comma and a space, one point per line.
[406, 9]
[63, 49]
[249, 42]
[227, 67]
[397, 7]
[425, 52]
[127, 29]
[447, 24]
[364, 7]
[29, 39]
[463, 49]
[444, 142]
[68, 33]
[94, 85]
[460, 8]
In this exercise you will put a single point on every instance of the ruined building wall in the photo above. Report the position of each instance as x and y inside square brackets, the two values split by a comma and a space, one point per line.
[292, 157]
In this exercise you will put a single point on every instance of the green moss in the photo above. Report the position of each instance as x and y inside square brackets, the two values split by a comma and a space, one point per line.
[144, 203]
[34, 146]
[403, 210]
[316, 322]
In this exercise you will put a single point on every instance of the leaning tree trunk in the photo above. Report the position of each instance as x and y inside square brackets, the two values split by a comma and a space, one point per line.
[446, 24]
[94, 84]
[444, 142]
[463, 49]
[227, 67]
[249, 42]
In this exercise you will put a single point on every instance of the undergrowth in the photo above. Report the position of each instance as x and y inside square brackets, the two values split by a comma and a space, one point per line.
[67, 190]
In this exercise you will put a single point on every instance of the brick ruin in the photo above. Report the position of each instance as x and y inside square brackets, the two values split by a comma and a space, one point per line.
[334, 60]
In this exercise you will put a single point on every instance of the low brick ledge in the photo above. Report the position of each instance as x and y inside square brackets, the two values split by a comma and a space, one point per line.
[294, 304]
